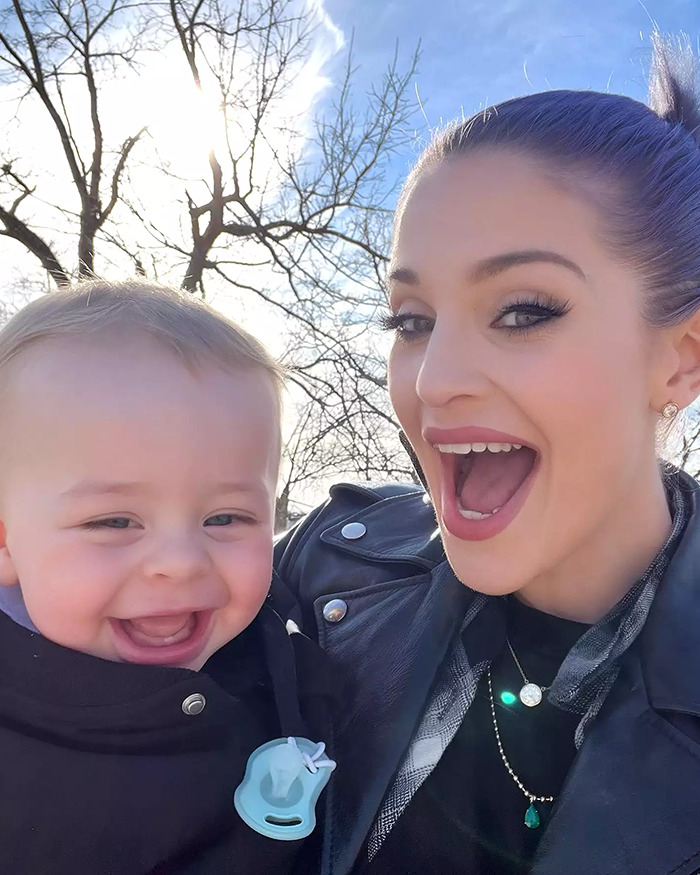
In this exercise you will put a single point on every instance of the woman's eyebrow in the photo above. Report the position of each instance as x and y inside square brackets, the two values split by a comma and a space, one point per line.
[496, 264]
[403, 275]
[490, 267]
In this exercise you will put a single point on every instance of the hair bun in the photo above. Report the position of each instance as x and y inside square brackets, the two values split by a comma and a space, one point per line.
[674, 94]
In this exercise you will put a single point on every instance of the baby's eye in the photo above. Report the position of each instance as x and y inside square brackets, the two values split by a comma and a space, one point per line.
[227, 519]
[112, 522]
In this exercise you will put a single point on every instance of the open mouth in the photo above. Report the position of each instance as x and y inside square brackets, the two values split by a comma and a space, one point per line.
[487, 476]
[160, 631]
[168, 639]
[485, 483]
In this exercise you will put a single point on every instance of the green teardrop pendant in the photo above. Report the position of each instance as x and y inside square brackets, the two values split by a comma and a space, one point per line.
[532, 818]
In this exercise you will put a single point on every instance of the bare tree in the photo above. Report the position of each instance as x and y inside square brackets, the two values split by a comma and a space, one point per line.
[339, 436]
[292, 213]
[47, 49]
[687, 455]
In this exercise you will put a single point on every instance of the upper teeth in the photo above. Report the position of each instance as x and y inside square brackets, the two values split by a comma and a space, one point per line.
[464, 449]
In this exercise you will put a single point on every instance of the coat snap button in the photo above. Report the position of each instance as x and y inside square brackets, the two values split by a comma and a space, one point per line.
[193, 704]
[353, 531]
[335, 610]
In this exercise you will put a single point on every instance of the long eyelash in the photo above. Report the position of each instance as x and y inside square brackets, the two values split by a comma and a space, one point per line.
[389, 321]
[539, 301]
[545, 304]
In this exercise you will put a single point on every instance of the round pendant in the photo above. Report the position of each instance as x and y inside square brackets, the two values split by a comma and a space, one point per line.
[531, 695]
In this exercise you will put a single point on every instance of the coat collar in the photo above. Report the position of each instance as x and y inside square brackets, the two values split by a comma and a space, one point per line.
[79, 700]
[631, 799]
[635, 784]
[670, 641]
[400, 528]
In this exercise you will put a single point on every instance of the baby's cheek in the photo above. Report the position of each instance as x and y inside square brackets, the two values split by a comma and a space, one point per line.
[68, 603]
[248, 587]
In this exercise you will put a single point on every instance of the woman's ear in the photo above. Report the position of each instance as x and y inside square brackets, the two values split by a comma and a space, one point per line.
[680, 380]
[8, 574]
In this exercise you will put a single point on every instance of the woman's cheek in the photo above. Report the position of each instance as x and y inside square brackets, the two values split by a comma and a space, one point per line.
[403, 372]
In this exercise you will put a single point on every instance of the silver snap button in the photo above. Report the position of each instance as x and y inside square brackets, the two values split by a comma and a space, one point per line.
[193, 704]
[353, 531]
[335, 610]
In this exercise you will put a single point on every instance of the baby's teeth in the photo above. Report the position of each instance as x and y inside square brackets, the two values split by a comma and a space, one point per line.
[479, 448]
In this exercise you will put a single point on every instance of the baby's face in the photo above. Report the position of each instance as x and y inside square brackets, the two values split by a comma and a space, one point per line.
[136, 499]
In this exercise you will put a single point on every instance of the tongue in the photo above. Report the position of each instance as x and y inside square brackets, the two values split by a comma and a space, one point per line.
[494, 478]
[156, 631]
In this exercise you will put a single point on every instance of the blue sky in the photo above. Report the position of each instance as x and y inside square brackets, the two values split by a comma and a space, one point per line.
[479, 52]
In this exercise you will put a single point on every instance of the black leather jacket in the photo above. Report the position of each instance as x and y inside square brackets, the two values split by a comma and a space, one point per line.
[631, 801]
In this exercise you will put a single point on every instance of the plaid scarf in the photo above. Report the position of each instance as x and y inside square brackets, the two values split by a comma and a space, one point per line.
[581, 685]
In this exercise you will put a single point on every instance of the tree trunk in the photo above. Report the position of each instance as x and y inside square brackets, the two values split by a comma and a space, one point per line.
[282, 511]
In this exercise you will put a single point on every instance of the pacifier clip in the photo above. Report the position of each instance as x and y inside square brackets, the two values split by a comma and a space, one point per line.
[284, 777]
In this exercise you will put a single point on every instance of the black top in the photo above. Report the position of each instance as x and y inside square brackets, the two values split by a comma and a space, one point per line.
[468, 817]
[103, 771]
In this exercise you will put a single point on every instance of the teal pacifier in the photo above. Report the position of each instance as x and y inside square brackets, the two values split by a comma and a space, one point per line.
[283, 780]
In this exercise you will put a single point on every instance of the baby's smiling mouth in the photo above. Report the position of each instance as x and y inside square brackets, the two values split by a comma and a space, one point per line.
[160, 631]
[174, 639]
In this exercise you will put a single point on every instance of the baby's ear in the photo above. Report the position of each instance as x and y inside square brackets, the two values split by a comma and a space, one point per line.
[8, 575]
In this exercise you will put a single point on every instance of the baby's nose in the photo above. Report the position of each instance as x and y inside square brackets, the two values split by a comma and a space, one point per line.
[177, 557]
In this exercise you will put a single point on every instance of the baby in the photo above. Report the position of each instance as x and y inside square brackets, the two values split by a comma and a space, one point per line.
[143, 657]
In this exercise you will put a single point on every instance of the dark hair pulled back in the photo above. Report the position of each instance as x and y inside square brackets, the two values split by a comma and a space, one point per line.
[640, 165]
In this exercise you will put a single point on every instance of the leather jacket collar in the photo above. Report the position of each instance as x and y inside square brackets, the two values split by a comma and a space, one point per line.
[671, 637]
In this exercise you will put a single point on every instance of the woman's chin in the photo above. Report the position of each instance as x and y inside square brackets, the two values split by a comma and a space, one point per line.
[492, 575]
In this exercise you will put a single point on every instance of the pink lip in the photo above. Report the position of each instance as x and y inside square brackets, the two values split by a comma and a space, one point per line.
[176, 654]
[455, 523]
[170, 612]
[471, 434]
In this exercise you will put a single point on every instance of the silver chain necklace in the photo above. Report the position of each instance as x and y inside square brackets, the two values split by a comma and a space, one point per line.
[530, 694]
[532, 816]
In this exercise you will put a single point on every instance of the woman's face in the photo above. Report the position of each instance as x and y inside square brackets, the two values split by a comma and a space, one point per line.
[522, 372]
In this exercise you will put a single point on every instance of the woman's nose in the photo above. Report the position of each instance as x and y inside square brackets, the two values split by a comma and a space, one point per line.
[178, 557]
[453, 366]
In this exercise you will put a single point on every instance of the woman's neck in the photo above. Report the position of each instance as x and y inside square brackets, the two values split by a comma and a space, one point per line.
[591, 581]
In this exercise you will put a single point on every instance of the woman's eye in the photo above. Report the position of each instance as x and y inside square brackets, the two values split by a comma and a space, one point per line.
[408, 325]
[522, 319]
[226, 519]
[524, 315]
[112, 522]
